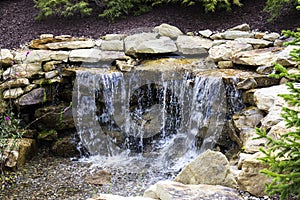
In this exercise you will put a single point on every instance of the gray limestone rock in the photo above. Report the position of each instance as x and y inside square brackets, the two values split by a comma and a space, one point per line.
[35, 96]
[6, 57]
[168, 31]
[148, 43]
[193, 45]
[210, 168]
[13, 93]
[71, 45]
[234, 34]
[241, 27]
[170, 190]
[250, 179]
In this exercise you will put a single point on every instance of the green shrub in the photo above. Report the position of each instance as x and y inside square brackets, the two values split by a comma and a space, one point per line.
[274, 7]
[118, 8]
[63, 8]
[283, 154]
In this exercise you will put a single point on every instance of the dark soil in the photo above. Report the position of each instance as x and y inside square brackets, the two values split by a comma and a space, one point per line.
[18, 26]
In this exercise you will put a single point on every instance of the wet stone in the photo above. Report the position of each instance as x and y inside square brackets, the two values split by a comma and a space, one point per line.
[101, 177]
[36, 96]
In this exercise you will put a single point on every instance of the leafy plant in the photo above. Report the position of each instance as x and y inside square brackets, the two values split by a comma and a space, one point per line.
[10, 132]
[117, 8]
[7, 181]
[283, 154]
[274, 7]
[65, 8]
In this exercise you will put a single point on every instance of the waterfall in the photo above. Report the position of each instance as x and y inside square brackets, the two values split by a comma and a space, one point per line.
[148, 116]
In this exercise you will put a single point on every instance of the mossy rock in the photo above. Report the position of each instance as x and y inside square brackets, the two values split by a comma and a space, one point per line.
[50, 135]
[66, 147]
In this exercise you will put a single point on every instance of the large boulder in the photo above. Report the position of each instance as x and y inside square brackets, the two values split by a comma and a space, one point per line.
[112, 45]
[279, 129]
[193, 45]
[224, 51]
[51, 65]
[35, 96]
[22, 71]
[248, 118]
[60, 55]
[44, 39]
[32, 56]
[250, 141]
[66, 147]
[13, 93]
[256, 43]
[55, 117]
[266, 98]
[148, 43]
[271, 36]
[6, 57]
[274, 115]
[250, 179]
[85, 55]
[20, 82]
[18, 151]
[264, 57]
[168, 31]
[170, 190]
[241, 27]
[210, 167]
[205, 33]
[284, 58]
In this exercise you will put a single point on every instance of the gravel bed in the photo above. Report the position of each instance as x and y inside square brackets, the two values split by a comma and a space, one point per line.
[48, 177]
[52, 178]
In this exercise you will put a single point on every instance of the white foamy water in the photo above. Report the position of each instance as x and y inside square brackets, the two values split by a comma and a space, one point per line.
[148, 119]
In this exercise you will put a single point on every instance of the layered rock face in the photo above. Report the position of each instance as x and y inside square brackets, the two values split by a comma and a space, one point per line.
[38, 80]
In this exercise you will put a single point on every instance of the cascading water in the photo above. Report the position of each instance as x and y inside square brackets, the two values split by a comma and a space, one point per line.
[149, 117]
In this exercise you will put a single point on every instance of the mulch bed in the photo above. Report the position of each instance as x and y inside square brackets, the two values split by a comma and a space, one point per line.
[18, 26]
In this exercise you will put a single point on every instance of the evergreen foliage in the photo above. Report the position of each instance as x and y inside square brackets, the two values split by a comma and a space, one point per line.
[274, 7]
[283, 154]
[63, 8]
[117, 8]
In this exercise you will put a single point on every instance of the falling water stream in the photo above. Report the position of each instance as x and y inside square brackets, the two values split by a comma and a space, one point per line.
[153, 117]
[140, 126]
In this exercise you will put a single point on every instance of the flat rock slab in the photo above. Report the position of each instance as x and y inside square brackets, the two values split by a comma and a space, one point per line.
[171, 190]
[94, 55]
[22, 70]
[224, 51]
[148, 43]
[258, 57]
[257, 43]
[193, 44]
[233, 34]
[117, 197]
[71, 45]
